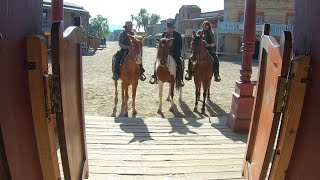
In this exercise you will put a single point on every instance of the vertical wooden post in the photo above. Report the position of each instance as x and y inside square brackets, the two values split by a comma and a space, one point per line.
[242, 100]
[57, 10]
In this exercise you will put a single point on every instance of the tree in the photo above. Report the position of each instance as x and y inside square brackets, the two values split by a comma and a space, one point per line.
[154, 19]
[101, 24]
[142, 19]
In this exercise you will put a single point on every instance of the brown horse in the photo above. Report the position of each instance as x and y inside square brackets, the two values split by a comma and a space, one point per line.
[202, 69]
[166, 71]
[130, 73]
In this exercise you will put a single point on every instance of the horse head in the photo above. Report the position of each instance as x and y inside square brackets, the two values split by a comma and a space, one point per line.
[197, 46]
[136, 48]
[163, 50]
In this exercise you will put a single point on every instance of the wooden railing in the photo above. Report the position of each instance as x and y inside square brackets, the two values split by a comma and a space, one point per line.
[237, 28]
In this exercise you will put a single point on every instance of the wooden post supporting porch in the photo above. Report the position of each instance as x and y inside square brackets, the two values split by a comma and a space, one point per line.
[242, 99]
[57, 10]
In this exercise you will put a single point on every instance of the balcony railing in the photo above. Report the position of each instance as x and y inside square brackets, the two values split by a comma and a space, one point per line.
[237, 28]
[46, 25]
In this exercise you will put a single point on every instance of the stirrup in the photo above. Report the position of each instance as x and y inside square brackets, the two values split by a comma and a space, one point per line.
[188, 77]
[142, 77]
[217, 78]
[153, 79]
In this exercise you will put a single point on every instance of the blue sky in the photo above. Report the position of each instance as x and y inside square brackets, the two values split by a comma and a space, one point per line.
[118, 11]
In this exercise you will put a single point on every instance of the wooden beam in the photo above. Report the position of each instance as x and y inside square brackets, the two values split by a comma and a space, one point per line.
[43, 123]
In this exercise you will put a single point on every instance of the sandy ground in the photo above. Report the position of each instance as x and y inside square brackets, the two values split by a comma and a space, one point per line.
[99, 88]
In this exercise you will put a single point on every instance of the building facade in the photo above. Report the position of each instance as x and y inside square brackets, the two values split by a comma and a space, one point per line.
[279, 14]
[70, 11]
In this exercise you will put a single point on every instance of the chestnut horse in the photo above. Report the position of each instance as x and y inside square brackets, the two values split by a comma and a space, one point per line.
[130, 73]
[202, 69]
[166, 71]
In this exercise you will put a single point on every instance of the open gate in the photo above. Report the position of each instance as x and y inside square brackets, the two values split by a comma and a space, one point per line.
[279, 96]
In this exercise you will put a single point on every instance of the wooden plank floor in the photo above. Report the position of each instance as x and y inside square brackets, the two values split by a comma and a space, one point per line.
[153, 148]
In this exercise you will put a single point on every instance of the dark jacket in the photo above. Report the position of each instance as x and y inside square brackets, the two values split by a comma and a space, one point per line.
[124, 41]
[209, 38]
[177, 44]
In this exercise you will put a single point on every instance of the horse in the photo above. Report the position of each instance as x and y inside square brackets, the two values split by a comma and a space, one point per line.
[130, 73]
[166, 69]
[202, 69]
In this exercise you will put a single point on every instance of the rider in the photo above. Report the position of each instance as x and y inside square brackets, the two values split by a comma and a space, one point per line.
[125, 43]
[209, 44]
[175, 51]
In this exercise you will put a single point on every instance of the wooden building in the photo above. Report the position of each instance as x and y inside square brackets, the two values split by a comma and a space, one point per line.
[70, 12]
[279, 14]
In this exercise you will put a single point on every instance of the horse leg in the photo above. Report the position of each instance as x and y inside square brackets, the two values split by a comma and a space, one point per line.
[134, 93]
[171, 94]
[205, 90]
[116, 91]
[122, 93]
[160, 84]
[209, 90]
[180, 94]
[197, 97]
[126, 96]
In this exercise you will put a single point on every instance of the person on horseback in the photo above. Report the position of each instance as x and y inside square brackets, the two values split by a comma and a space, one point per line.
[209, 44]
[125, 43]
[175, 52]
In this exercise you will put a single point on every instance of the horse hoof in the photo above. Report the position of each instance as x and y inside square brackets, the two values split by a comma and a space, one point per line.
[171, 109]
[208, 99]
[195, 109]
[168, 99]
[125, 114]
[134, 113]
[159, 111]
[180, 99]
[203, 111]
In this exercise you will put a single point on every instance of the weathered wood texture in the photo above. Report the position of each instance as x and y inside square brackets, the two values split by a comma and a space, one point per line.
[43, 123]
[18, 19]
[67, 66]
[123, 148]
[305, 160]
[291, 118]
[266, 115]
[4, 169]
[275, 12]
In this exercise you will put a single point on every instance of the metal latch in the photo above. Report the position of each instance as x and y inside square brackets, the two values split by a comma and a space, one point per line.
[30, 65]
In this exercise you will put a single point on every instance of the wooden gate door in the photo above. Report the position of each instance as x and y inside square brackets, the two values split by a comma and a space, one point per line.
[274, 65]
[67, 72]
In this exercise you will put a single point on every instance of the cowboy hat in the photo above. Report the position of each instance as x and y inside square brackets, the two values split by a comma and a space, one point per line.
[170, 25]
[128, 23]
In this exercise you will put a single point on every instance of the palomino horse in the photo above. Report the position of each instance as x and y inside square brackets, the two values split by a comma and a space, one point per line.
[130, 73]
[202, 69]
[166, 71]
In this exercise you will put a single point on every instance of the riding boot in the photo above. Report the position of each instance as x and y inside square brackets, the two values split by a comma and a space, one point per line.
[142, 76]
[180, 75]
[116, 72]
[188, 76]
[216, 70]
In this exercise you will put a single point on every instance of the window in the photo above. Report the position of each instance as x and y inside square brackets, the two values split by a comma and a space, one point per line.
[259, 19]
[290, 20]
